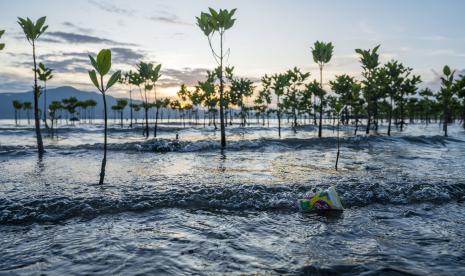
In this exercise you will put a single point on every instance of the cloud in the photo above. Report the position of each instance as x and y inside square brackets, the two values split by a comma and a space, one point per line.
[14, 82]
[78, 62]
[74, 38]
[188, 76]
[111, 8]
[168, 18]
[126, 55]
[77, 28]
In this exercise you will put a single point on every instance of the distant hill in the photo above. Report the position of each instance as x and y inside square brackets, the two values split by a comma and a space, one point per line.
[54, 94]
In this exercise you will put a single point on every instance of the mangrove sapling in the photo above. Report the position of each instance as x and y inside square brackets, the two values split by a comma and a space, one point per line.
[218, 22]
[70, 104]
[92, 104]
[370, 62]
[425, 105]
[393, 73]
[158, 104]
[263, 99]
[322, 54]
[292, 99]
[27, 106]
[33, 31]
[344, 86]
[445, 95]
[186, 96]
[408, 87]
[45, 74]
[209, 97]
[2, 45]
[17, 105]
[53, 108]
[121, 104]
[279, 83]
[196, 100]
[126, 80]
[338, 108]
[102, 66]
[136, 109]
[461, 95]
[147, 76]
[240, 89]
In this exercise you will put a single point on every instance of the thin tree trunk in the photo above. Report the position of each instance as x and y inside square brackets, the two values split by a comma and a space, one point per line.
[390, 118]
[338, 145]
[130, 106]
[104, 160]
[223, 131]
[156, 123]
[40, 144]
[321, 102]
[279, 119]
[45, 104]
[146, 131]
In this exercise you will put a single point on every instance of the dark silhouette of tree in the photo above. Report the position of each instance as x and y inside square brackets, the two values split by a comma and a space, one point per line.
[33, 31]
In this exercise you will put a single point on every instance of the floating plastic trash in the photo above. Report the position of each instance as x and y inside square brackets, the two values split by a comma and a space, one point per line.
[322, 200]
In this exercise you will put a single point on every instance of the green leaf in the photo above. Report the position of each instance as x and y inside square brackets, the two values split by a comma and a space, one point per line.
[2, 46]
[229, 24]
[1, 33]
[213, 13]
[231, 13]
[104, 61]
[113, 79]
[93, 78]
[42, 31]
[39, 23]
[94, 63]
[446, 70]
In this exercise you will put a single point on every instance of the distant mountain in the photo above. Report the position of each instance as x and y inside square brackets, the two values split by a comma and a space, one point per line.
[54, 94]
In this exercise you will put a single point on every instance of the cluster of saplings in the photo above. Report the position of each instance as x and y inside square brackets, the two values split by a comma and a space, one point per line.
[69, 109]
[387, 92]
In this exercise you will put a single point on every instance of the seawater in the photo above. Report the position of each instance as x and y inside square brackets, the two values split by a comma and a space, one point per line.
[186, 207]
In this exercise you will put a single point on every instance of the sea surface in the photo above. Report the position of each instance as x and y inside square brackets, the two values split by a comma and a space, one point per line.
[182, 207]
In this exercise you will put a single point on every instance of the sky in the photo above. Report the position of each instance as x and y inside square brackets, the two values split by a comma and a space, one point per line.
[269, 36]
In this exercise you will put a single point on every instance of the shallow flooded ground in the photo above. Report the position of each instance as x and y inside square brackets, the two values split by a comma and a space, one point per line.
[183, 206]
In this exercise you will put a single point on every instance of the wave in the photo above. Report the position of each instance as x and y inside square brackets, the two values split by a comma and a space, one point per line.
[172, 145]
[242, 197]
